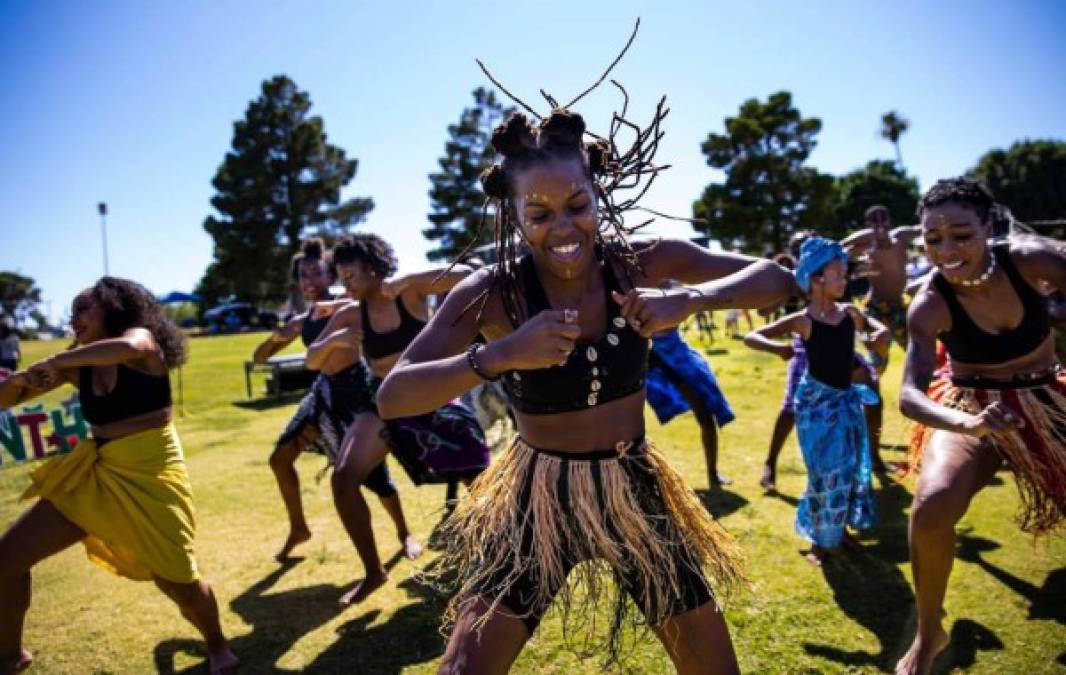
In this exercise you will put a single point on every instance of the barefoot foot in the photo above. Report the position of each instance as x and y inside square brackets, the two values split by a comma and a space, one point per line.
[222, 662]
[297, 536]
[721, 481]
[769, 478]
[411, 548]
[919, 658]
[363, 589]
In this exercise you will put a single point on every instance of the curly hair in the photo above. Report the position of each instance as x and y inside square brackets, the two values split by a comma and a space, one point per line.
[960, 190]
[127, 304]
[311, 249]
[366, 248]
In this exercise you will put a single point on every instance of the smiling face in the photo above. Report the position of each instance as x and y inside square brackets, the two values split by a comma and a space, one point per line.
[314, 279]
[87, 319]
[556, 209]
[956, 241]
[833, 279]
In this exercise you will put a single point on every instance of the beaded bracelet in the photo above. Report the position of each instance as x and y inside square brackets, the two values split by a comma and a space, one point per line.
[471, 358]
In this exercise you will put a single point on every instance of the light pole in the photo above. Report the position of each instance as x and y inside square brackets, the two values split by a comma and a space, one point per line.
[102, 208]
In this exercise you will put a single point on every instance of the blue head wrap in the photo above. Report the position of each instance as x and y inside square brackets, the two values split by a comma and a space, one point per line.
[815, 254]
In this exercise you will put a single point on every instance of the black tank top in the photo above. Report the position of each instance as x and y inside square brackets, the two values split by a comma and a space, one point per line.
[135, 393]
[380, 345]
[312, 328]
[596, 372]
[831, 352]
[967, 343]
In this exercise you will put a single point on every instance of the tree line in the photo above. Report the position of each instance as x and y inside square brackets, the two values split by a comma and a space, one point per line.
[281, 181]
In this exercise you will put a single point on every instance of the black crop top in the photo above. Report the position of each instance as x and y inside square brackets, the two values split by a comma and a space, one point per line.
[967, 343]
[312, 328]
[596, 372]
[831, 352]
[380, 345]
[135, 393]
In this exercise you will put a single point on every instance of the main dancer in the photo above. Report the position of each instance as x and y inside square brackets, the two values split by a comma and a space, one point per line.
[446, 443]
[567, 330]
[124, 493]
[1004, 401]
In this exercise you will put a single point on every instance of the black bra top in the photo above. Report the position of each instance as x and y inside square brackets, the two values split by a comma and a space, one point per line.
[312, 328]
[596, 371]
[380, 345]
[831, 352]
[966, 342]
[135, 393]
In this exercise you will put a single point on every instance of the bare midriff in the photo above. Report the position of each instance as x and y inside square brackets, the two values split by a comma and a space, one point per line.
[598, 428]
[383, 366]
[132, 425]
[890, 272]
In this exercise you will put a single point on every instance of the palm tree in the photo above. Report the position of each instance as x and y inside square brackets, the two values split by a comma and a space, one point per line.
[892, 127]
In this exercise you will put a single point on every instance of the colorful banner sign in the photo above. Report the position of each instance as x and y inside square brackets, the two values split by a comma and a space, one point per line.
[36, 433]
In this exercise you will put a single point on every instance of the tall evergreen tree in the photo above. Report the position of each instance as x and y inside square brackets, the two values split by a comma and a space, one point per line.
[457, 199]
[280, 181]
[1029, 177]
[879, 182]
[768, 193]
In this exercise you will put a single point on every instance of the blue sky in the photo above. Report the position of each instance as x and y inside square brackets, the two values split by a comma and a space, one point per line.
[133, 103]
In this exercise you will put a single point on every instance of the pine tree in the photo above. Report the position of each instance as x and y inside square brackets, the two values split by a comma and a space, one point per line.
[457, 199]
[279, 182]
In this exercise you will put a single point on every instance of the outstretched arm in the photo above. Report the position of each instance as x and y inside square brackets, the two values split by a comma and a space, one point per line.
[426, 283]
[279, 339]
[879, 337]
[718, 281]
[22, 387]
[136, 344]
[858, 242]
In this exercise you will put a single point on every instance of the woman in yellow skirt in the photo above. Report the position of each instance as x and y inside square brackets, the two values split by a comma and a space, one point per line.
[124, 493]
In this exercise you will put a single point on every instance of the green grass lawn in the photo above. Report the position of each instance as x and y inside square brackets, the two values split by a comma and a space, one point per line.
[1006, 602]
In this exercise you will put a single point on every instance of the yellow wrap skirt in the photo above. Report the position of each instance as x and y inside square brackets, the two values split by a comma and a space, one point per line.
[132, 498]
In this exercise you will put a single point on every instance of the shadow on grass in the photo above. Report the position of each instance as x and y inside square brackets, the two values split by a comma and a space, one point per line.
[270, 402]
[1048, 602]
[721, 502]
[410, 636]
[869, 587]
[788, 499]
[280, 620]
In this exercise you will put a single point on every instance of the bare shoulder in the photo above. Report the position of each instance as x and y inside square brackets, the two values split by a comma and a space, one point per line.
[928, 309]
[1038, 258]
[476, 301]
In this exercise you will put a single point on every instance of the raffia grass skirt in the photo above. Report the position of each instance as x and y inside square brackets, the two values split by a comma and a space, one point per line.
[622, 520]
[1035, 453]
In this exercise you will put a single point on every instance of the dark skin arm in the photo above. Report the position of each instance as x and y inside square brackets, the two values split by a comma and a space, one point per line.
[928, 317]
[342, 332]
[765, 339]
[425, 283]
[717, 281]
[434, 369]
[279, 339]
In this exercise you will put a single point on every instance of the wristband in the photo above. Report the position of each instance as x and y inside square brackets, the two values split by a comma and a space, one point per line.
[471, 358]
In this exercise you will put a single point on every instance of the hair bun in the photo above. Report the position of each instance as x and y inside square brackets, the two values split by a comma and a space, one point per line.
[599, 154]
[494, 182]
[312, 248]
[514, 136]
[562, 128]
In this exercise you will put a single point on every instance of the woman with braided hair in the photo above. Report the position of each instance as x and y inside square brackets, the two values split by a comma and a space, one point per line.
[566, 327]
[1001, 401]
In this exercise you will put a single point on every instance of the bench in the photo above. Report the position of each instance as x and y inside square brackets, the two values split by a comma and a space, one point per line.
[285, 373]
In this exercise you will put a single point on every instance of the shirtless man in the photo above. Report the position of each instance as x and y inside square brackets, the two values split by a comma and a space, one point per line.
[887, 252]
